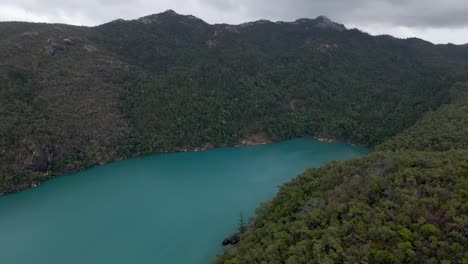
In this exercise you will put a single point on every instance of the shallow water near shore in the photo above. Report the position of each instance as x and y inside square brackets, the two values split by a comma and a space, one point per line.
[167, 208]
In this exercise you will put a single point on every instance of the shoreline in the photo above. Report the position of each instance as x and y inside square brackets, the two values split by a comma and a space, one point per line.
[335, 140]
[248, 142]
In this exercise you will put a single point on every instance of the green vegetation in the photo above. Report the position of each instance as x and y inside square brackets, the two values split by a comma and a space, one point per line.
[74, 97]
[59, 107]
[406, 202]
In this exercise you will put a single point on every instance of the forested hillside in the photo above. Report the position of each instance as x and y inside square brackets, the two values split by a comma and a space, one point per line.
[74, 97]
[406, 202]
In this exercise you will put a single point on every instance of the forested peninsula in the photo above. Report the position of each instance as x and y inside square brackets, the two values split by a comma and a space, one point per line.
[406, 202]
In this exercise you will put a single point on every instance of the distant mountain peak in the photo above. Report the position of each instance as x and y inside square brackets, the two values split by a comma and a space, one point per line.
[118, 20]
[324, 18]
[322, 22]
[157, 18]
[170, 12]
[327, 23]
[257, 22]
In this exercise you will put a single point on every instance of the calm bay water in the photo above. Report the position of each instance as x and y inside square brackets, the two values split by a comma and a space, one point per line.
[161, 209]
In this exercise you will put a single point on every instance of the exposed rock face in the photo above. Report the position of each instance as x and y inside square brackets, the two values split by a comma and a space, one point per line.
[322, 22]
[207, 146]
[54, 49]
[158, 18]
[327, 47]
[39, 160]
[258, 22]
[326, 23]
[326, 139]
[232, 240]
[296, 104]
[254, 139]
[228, 28]
[68, 42]
[170, 12]
[211, 43]
[89, 48]
[118, 20]
[148, 20]
[40, 163]
[30, 34]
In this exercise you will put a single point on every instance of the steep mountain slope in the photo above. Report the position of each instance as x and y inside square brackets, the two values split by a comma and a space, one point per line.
[404, 203]
[73, 97]
[279, 79]
[293, 78]
[59, 103]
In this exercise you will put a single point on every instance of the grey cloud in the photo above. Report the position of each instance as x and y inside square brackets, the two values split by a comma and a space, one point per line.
[433, 19]
[419, 13]
[411, 13]
[227, 5]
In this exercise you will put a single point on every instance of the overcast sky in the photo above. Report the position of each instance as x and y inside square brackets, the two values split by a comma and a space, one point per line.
[439, 21]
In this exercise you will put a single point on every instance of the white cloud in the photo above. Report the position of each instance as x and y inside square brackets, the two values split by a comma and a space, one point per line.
[10, 12]
[434, 35]
[439, 21]
[14, 13]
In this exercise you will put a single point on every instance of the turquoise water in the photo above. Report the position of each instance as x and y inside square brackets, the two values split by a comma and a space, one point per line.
[160, 209]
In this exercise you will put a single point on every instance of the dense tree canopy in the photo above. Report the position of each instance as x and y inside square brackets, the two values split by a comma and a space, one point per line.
[406, 202]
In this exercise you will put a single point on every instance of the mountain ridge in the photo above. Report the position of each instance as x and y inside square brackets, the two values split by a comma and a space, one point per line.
[170, 12]
[321, 21]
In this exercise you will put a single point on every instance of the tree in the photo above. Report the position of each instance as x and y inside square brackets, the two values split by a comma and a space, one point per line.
[242, 225]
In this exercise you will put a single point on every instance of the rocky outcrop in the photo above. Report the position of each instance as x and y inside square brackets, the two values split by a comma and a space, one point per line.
[327, 47]
[326, 139]
[68, 42]
[89, 48]
[232, 240]
[334, 139]
[158, 18]
[38, 159]
[324, 22]
[296, 104]
[118, 20]
[258, 22]
[254, 140]
[54, 49]
[206, 146]
[211, 43]
[321, 22]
